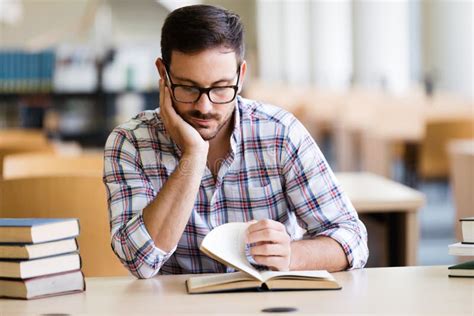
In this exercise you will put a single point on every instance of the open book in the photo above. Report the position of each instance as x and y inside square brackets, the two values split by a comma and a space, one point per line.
[226, 244]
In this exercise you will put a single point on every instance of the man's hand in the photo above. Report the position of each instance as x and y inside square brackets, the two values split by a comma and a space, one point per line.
[270, 244]
[184, 135]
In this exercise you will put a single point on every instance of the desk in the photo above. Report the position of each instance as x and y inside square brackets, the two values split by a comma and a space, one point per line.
[377, 291]
[372, 194]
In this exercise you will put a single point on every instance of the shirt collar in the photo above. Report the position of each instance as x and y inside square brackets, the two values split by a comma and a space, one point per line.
[236, 134]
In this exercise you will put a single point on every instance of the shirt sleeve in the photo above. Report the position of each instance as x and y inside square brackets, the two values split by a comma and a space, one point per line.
[129, 191]
[321, 206]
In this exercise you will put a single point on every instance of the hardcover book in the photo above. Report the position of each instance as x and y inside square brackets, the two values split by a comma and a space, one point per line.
[36, 251]
[43, 286]
[24, 269]
[465, 269]
[461, 249]
[467, 226]
[226, 244]
[37, 230]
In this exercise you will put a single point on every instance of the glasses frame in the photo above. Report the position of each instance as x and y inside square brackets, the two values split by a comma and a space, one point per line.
[206, 91]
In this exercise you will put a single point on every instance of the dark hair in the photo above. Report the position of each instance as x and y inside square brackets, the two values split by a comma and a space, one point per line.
[198, 27]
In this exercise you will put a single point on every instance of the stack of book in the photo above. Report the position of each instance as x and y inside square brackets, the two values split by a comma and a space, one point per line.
[39, 258]
[464, 248]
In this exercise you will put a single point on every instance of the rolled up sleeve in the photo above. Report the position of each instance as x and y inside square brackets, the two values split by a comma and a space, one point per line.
[129, 191]
[321, 206]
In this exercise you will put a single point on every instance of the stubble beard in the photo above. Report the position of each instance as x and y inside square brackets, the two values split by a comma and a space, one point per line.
[212, 135]
[206, 133]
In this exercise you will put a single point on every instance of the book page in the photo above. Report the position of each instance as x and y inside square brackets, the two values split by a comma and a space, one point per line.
[226, 243]
[218, 278]
[310, 274]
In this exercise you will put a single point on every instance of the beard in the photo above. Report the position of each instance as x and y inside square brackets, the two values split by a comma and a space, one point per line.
[207, 132]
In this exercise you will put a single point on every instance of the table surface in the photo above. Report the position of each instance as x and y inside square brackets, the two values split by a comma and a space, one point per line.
[377, 291]
[371, 193]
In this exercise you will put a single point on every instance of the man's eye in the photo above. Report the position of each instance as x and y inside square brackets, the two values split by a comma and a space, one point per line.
[219, 89]
[189, 89]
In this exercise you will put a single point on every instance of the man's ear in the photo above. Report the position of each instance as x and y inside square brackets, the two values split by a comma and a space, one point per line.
[243, 70]
[160, 66]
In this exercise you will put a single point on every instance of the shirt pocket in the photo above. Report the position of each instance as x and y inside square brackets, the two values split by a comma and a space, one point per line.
[245, 202]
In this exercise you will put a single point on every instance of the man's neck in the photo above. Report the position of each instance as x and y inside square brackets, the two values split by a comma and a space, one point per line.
[219, 146]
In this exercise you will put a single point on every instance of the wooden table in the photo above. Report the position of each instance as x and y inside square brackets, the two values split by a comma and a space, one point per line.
[372, 194]
[376, 291]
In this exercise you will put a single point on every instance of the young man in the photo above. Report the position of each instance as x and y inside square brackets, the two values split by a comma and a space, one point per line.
[207, 156]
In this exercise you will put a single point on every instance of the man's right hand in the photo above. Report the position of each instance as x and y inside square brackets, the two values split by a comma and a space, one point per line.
[183, 134]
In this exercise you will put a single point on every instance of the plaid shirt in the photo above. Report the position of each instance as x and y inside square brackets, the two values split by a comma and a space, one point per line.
[275, 171]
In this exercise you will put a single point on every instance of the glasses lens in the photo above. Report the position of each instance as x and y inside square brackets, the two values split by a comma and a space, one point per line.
[221, 95]
[186, 94]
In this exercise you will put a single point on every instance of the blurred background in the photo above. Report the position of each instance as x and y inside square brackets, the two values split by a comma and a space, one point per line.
[383, 86]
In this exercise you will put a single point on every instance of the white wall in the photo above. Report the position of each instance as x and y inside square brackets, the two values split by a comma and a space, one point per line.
[44, 23]
[296, 48]
[47, 23]
[137, 21]
[449, 46]
[305, 42]
[382, 44]
[331, 42]
[269, 40]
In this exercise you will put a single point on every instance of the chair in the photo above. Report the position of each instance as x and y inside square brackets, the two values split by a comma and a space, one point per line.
[433, 161]
[461, 154]
[395, 122]
[353, 120]
[45, 164]
[13, 141]
[82, 197]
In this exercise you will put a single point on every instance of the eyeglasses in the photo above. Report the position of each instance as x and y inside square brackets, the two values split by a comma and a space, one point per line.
[191, 94]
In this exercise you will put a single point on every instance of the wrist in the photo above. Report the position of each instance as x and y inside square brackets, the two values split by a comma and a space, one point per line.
[294, 262]
[195, 157]
[196, 152]
[193, 164]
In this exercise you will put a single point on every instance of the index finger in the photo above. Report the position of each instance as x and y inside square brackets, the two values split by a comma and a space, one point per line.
[265, 224]
[165, 100]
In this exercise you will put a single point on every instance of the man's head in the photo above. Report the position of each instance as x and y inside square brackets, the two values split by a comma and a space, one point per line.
[202, 46]
[199, 27]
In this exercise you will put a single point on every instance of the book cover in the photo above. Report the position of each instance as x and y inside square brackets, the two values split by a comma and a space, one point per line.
[461, 249]
[39, 250]
[467, 227]
[37, 230]
[25, 269]
[226, 244]
[465, 269]
[44, 286]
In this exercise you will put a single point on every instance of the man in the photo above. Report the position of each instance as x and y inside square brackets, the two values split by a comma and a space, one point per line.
[207, 156]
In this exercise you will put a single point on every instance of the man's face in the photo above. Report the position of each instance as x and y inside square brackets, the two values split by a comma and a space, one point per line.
[210, 68]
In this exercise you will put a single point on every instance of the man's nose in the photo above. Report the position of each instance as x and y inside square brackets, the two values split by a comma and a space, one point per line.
[203, 104]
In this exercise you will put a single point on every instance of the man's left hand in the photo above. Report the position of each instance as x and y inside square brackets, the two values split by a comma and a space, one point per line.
[271, 244]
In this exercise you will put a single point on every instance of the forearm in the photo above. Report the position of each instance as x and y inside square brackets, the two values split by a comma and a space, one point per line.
[166, 217]
[320, 253]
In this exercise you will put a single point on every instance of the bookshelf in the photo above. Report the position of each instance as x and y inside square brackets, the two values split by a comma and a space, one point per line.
[35, 92]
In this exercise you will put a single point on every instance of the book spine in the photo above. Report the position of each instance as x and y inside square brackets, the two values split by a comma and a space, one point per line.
[46, 257]
[17, 243]
[41, 276]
